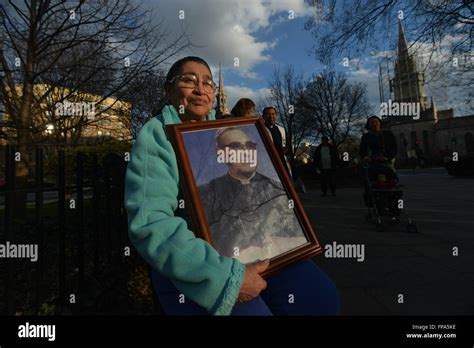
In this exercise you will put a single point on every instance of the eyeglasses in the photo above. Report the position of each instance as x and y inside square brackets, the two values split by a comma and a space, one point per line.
[240, 146]
[191, 81]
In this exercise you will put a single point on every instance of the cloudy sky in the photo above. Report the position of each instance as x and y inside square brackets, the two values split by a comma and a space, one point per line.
[262, 34]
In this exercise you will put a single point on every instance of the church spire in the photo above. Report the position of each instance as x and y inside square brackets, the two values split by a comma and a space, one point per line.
[221, 79]
[408, 82]
[221, 107]
[402, 41]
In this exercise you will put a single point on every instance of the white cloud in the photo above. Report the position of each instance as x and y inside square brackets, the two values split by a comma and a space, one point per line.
[224, 30]
[451, 86]
[448, 82]
[370, 79]
[234, 93]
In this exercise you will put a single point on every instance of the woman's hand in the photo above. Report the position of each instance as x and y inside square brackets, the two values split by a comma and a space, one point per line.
[253, 283]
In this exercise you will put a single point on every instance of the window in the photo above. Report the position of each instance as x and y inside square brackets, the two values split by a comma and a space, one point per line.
[104, 120]
[101, 107]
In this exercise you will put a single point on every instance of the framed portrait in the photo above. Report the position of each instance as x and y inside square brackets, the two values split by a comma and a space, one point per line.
[239, 194]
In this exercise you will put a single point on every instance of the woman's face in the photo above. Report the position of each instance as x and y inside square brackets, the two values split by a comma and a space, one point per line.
[196, 102]
[249, 113]
[374, 124]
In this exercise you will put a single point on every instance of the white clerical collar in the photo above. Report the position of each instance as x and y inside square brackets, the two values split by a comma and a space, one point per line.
[243, 181]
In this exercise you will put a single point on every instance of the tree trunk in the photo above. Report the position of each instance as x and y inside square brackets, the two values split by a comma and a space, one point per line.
[24, 146]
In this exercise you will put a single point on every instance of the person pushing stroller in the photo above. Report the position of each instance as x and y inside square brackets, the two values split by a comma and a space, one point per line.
[378, 149]
[382, 195]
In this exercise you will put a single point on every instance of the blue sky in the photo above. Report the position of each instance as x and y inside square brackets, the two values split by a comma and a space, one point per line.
[293, 45]
[261, 34]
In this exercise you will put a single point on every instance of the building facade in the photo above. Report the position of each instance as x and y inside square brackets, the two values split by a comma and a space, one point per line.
[434, 134]
[72, 117]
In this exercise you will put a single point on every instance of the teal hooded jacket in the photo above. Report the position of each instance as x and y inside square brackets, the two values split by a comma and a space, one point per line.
[160, 233]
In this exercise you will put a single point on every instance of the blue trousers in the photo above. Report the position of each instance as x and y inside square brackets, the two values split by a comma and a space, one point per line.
[300, 289]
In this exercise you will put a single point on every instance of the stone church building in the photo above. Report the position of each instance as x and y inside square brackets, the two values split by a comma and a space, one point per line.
[437, 133]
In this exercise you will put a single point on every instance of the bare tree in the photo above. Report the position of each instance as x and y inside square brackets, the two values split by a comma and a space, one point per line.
[335, 105]
[146, 102]
[286, 93]
[342, 27]
[440, 30]
[81, 48]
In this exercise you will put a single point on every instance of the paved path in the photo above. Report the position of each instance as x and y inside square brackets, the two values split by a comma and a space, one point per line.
[419, 266]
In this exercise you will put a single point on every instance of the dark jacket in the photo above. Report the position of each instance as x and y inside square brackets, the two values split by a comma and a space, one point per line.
[235, 212]
[378, 144]
[333, 154]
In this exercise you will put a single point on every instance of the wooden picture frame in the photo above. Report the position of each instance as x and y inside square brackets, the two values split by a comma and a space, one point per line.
[198, 147]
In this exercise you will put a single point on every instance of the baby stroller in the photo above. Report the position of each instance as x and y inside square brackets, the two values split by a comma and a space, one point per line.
[383, 196]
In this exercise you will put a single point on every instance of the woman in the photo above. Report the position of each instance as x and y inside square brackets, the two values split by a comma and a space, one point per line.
[243, 108]
[189, 276]
[377, 142]
[379, 148]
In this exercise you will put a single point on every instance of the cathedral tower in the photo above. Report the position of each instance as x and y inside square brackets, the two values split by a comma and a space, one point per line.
[221, 107]
[408, 84]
